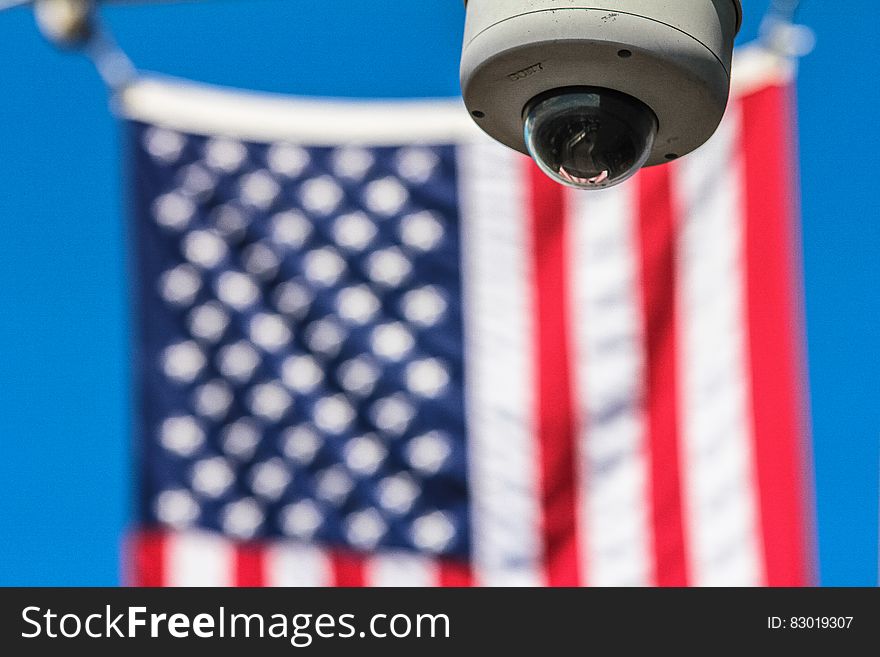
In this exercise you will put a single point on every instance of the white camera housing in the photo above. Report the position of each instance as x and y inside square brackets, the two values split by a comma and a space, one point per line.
[674, 57]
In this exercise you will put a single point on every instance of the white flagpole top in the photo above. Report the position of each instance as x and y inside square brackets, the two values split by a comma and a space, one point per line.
[66, 23]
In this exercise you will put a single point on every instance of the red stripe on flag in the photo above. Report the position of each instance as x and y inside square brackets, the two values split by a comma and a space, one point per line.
[146, 554]
[454, 574]
[657, 231]
[249, 565]
[775, 333]
[348, 569]
[554, 412]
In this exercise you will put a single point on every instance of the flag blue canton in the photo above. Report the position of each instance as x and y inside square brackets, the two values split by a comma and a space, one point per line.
[301, 349]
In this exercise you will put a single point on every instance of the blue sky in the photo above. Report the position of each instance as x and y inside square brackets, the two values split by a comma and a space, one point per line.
[65, 405]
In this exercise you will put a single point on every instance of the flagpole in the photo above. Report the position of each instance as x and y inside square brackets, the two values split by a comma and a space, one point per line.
[75, 25]
[780, 32]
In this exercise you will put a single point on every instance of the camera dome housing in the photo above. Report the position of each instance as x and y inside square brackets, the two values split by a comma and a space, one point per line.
[589, 138]
[673, 58]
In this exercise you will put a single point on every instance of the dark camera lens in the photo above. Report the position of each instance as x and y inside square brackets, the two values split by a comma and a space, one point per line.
[589, 138]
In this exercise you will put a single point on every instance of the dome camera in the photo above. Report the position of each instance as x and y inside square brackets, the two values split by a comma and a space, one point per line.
[594, 90]
[589, 137]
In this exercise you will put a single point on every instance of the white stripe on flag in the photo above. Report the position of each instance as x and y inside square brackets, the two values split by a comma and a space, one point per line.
[295, 564]
[609, 368]
[199, 559]
[503, 459]
[401, 569]
[203, 109]
[719, 485]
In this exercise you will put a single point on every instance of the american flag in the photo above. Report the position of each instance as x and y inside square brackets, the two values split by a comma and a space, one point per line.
[376, 348]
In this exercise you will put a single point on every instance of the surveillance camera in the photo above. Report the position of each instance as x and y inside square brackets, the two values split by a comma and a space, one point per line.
[594, 90]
